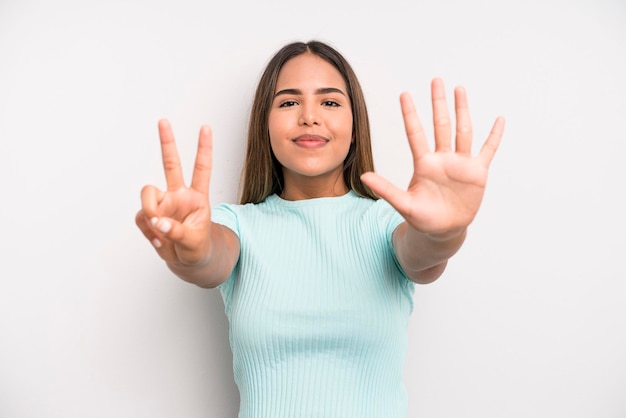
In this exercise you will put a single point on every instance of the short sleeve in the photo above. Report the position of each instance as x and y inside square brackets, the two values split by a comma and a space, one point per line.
[224, 214]
[390, 219]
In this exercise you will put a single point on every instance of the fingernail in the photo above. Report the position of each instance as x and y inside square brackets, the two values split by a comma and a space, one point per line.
[154, 221]
[156, 242]
[165, 226]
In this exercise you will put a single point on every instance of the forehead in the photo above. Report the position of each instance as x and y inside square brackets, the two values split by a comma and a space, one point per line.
[309, 70]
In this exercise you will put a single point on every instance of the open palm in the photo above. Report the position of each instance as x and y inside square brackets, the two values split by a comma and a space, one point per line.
[447, 186]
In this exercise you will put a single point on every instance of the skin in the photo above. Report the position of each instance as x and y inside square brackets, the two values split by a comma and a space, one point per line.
[442, 199]
[178, 220]
[446, 189]
[310, 126]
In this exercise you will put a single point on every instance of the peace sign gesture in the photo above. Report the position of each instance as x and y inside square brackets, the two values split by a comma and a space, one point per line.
[178, 220]
[447, 186]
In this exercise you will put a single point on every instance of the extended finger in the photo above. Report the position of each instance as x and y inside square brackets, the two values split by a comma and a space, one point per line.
[463, 122]
[492, 143]
[413, 127]
[204, 161]
[441, 117]
[171, 161]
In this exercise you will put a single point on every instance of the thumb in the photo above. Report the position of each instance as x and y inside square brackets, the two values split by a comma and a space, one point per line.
[387, 190]
[169, 228]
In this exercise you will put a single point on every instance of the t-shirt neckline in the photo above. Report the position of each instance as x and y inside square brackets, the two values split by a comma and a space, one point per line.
[275, 199]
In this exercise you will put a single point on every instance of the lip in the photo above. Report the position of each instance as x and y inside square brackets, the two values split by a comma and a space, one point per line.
[310, 141]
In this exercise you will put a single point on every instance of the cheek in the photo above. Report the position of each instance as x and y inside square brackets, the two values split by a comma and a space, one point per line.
[343, 130]
[277, 127]
[275, 147]
[274, 131]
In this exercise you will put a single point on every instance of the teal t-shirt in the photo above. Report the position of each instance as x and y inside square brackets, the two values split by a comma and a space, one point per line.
[318, 308]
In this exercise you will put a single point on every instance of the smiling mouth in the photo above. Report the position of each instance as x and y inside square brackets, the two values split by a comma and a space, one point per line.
[310, 141]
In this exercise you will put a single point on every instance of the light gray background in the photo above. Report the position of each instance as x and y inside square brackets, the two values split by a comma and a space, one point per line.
[529, 319]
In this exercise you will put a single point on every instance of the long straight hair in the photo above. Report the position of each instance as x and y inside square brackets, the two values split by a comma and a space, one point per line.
[262, 174]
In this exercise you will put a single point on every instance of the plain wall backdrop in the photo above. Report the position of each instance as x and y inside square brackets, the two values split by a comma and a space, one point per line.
[530, 316]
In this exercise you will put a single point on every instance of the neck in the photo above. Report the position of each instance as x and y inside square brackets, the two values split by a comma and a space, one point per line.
[302, 188]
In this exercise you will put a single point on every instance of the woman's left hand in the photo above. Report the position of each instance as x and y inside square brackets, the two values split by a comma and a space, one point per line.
[448, 183]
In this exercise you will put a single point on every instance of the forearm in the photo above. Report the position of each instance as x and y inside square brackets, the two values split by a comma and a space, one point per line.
[217, 266]
[424, 257]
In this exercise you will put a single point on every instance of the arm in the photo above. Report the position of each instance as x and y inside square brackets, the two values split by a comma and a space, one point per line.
[178, 221]
[424, 257]
[445, 191]
[217, 266]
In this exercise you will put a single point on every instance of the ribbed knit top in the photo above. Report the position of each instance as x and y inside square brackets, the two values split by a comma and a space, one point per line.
[318, 308]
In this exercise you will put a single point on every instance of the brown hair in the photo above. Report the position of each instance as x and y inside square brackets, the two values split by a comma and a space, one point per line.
[262, 174]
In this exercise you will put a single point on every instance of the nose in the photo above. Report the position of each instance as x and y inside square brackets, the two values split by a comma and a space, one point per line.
[309, 115]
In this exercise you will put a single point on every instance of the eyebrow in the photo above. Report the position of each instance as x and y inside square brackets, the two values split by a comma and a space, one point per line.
[298, 92]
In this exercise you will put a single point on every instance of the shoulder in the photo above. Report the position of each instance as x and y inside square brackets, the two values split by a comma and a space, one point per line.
[232, 214]
[383, 213]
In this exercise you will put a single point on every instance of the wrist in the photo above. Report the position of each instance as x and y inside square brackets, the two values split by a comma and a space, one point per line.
[187, 266]
[449, 235]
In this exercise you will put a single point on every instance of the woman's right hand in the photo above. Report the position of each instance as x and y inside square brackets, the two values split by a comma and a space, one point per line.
[177, 221]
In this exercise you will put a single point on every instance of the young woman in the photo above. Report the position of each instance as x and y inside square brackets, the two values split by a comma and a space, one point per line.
[316, 272]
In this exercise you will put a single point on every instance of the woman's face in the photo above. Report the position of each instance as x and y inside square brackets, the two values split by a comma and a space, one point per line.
[310, 122]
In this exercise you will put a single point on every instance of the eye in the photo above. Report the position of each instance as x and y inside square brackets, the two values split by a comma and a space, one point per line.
[330, 103]
[288, 103]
